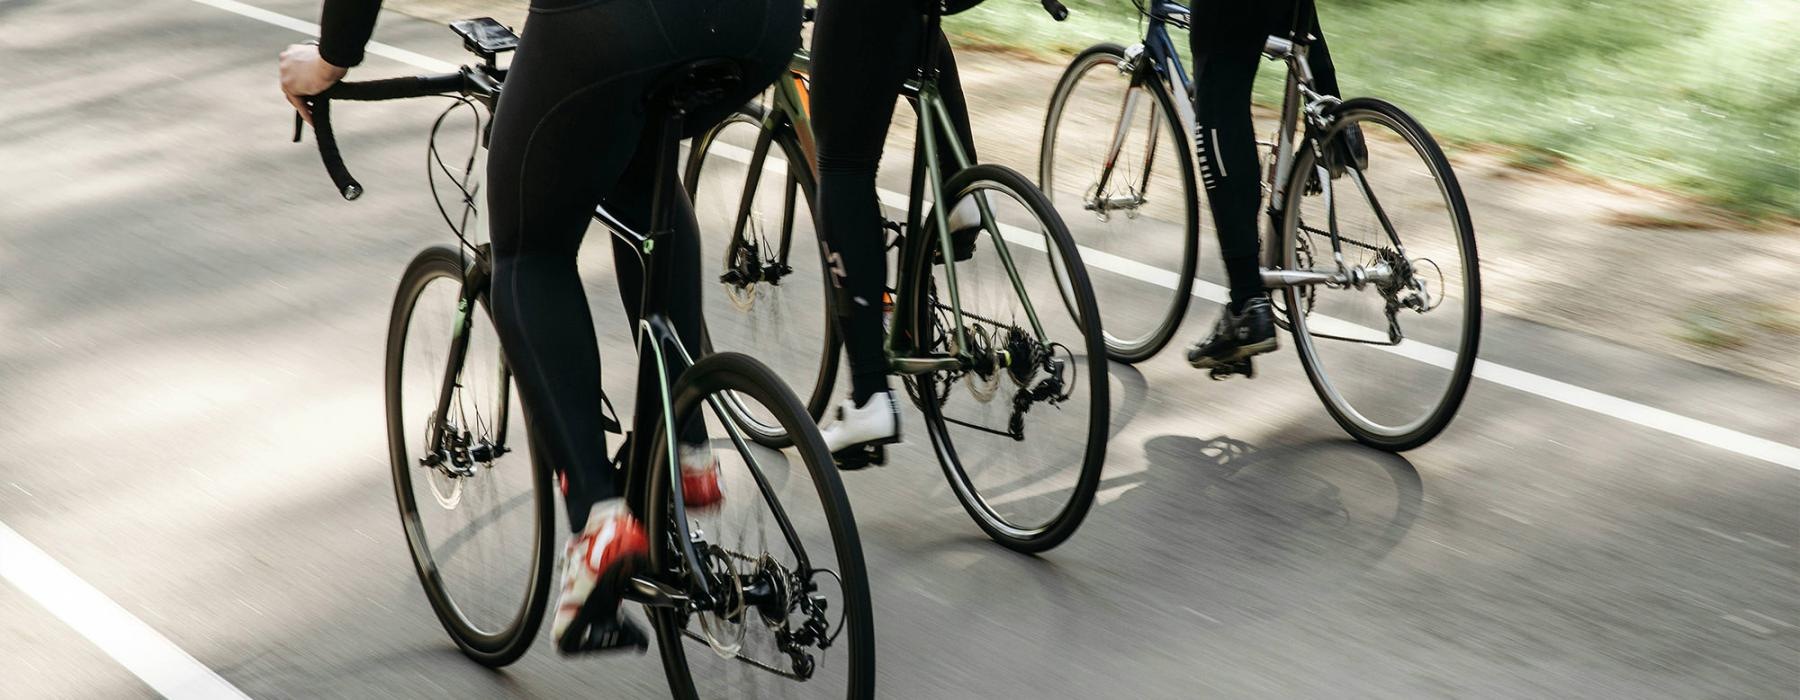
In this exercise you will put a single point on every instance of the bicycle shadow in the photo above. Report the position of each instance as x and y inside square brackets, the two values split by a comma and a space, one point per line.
[1319, 492]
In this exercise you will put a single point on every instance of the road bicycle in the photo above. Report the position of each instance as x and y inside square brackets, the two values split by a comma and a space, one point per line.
[772, 586]
[1371, 261]
[1014, 392]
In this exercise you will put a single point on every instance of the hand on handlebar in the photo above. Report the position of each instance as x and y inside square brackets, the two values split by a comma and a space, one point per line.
[304, 73]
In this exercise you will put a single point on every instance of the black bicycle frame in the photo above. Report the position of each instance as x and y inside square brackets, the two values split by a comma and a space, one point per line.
[657, 342]
[656, 338]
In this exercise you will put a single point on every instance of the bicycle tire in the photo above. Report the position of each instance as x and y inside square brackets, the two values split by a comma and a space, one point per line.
[1085, 315]
[1462, 369]
[736, 372]
[489, 649]
[1098, 57]
[817, 396]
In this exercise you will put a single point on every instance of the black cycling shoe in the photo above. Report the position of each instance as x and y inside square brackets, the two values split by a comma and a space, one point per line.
[1348, 150]
[1237, 337]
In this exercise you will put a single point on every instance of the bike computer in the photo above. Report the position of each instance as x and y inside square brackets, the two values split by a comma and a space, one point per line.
[485, 36]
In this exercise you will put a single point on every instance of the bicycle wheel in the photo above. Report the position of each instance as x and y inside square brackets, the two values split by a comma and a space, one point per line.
[1116, 163]
[1391, 355]
[1022, 435]
[477, 512]
[756, 220]
[791, 615]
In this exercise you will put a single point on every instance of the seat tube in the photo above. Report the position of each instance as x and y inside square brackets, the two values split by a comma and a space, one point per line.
[929, 108]
[656, 334]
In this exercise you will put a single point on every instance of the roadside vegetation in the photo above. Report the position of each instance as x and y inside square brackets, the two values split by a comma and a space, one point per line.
[1698, 96]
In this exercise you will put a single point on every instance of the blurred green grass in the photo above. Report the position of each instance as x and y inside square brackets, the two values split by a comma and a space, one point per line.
[1699, 96]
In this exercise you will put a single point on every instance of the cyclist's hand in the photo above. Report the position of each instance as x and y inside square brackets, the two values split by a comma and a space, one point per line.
[304, 73]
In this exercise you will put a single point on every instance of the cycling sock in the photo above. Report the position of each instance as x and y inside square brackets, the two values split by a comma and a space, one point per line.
[1246, 280]
[866, 384]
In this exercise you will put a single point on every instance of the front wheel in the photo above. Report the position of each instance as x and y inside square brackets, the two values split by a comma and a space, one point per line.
[476, 511]
[1115, 162]
[1021, 430]
[790, 614]
[1391, 348]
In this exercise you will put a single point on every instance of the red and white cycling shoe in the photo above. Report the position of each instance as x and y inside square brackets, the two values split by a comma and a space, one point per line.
[597, 566]
[700, 478]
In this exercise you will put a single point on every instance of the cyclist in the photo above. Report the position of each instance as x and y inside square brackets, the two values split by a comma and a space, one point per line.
[1227, 41]
[863, 52]
[570, 133]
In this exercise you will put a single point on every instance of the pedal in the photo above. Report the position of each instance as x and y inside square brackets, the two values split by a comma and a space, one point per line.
[860, 457]
[613, 635]
[1225, 371]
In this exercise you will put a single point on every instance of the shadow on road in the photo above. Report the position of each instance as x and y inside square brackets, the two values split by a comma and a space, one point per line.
[1361, 501]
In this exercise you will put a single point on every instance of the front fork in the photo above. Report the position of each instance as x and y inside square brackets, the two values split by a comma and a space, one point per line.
[458, 451]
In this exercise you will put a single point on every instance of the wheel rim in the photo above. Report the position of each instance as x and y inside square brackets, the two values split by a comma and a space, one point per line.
[1387, 393]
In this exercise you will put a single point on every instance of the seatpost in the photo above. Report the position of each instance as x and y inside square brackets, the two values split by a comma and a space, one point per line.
[669, 148]
[662, 204]
[928, 67]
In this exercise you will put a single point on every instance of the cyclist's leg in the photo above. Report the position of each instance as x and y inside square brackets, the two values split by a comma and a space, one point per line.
[1224, 71]
[1226, 43]
[562, 136]
[565, 133]
[862, 52]
[567, 129]
[629, 201]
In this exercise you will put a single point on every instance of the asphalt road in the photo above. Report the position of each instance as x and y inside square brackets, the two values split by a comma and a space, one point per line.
[192, 426]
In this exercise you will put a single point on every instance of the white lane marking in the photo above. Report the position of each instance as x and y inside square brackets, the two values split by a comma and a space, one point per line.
[416, 60]
[152, 657]
[1545, 387]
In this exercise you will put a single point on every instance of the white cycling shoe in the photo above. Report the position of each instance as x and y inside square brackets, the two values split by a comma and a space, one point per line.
[860, 435]
[965, 226]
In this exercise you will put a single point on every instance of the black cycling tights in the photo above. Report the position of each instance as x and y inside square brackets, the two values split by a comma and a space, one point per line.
[863, 51]
[570, 133]
[1227, 42]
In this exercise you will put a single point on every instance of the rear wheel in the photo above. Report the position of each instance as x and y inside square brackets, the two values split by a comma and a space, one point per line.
[476, 511]
[753, 197]
[1116, 163]
[780, 555]
[1021, 435]
[1391, 356]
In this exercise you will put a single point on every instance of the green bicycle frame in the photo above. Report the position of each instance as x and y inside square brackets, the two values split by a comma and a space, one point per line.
[791, 107]
[930, 174]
